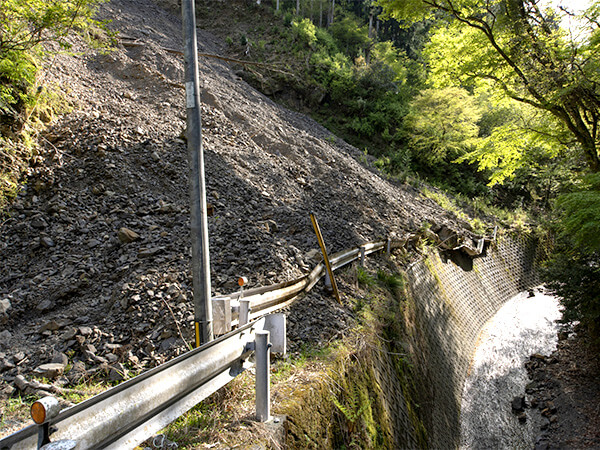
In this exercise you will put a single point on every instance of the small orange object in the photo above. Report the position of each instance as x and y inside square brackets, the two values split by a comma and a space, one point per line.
[38, 413]
[242, 281]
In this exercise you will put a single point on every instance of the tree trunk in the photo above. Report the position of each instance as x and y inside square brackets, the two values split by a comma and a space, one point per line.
[370, 44]
[277, 7]
[320, 13]
[331, 13]
[591, 154]
[297, 7]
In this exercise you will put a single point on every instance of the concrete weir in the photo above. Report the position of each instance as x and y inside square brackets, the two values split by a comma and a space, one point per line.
[452, 304]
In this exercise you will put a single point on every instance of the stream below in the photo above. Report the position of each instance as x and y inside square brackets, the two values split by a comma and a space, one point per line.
[523, 326]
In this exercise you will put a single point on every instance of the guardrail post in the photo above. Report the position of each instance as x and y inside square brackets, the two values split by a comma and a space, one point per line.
[244, 312]
[263, 388]
[389, 247]
[362, 256]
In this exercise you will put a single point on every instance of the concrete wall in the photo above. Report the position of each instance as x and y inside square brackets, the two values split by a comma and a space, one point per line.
[450, 306]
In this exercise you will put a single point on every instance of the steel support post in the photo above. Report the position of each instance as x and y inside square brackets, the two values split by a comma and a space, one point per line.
[263, 388]
[199, 215]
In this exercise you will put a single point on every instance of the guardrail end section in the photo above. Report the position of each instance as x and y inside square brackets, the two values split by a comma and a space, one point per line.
[276, 324]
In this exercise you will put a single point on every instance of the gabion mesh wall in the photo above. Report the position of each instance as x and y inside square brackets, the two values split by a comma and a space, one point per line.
[451, 306]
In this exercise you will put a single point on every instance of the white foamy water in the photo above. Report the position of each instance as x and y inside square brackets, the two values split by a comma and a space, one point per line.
[523, 326]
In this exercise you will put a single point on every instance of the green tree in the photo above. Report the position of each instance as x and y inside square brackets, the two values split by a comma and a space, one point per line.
[573, 271]
[350, 35]
[520, 49]
[24, 26]
[442, 124]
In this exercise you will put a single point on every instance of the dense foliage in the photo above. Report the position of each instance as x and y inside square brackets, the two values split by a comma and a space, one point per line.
[573, 271]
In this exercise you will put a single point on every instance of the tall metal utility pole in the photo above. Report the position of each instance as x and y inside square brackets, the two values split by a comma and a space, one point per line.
[199, 217]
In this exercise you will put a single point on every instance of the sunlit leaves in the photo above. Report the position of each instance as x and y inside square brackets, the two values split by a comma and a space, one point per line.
[518, 47]
[442, 124]
[24, 25]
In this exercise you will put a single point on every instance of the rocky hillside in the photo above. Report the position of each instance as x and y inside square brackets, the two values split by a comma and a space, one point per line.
[95, 251]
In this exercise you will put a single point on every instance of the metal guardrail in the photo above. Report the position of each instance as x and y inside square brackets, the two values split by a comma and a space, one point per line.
[265, 300]
[129, 413]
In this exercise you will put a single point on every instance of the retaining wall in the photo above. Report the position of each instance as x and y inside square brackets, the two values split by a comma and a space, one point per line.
[450, 306]
[414, 375]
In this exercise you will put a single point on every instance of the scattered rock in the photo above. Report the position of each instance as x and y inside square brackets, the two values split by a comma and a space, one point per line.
[47, 242]
[5, 335]
[148, 252]
[126, 235]
[518, 404]
[45, 305]
[21, 383]
[5, 365]
[38, 222]
[50, 370]
[50, 326]
[118, 372]
[85, 331]
[4, 306]
[60, 358]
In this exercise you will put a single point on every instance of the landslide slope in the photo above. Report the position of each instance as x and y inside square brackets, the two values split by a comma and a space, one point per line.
[73, 291]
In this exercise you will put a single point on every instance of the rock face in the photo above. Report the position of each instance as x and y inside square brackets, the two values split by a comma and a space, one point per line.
[96, 250]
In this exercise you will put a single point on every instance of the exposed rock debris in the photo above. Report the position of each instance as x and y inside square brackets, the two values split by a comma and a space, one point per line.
[95, 274]
[564, 388]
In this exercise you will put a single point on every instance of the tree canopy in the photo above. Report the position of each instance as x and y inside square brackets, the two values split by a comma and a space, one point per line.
[518, 47]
